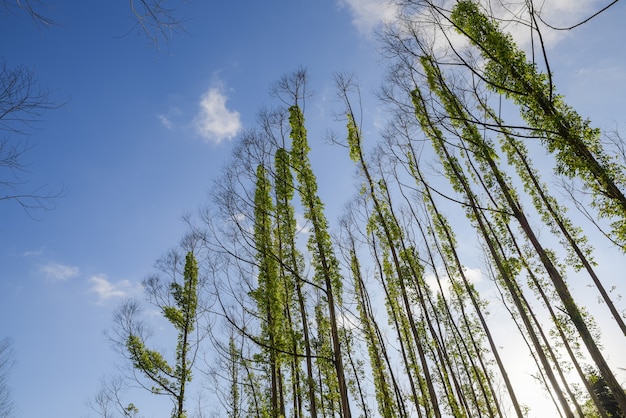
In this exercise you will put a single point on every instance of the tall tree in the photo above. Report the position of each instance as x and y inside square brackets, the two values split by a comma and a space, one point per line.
[163, 377]
[325, 262]
[156, 19]
[576, 145]
[387, 403]
[291, 265]
[269, 293]
[22, 103]
[402, 271]
[578, 150]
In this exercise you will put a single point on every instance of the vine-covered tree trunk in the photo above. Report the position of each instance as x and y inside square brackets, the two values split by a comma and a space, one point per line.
[291, 264]
[324, 261]
[577, 146]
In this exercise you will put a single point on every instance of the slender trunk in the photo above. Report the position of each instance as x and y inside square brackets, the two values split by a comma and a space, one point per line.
[455, 175]
[557, 217]
[356, 152]
[456, 111]
[407, 359]
[384, 397]
[446, 235]
[308, 353]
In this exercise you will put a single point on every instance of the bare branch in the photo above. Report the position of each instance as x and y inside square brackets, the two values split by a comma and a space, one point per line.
[582, 22]
[31, 7]
[22, 105]
[7, 360]
[157, 21]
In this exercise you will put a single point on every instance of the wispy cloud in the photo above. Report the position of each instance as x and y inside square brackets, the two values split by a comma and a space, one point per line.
[166, 121]
[106, 289]
[369, 14]
[215, 122]
[167, 118]
[59, 272]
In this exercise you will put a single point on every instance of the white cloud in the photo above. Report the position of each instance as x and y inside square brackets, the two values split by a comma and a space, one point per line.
[166, 121]
[105, 289]
[302, 224]
[59, 272]
[215, 122]
[369, 14]
[473, 276]
[239, 218]
[560, 13]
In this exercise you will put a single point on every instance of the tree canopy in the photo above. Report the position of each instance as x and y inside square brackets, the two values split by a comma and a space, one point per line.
[378, 315]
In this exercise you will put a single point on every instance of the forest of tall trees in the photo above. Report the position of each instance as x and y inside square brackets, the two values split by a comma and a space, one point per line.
[378, 314]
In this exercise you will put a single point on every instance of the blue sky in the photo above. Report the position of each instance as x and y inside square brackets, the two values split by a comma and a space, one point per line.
[144, 132]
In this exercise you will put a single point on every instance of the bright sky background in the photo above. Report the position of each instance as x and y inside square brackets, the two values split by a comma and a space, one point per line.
[144, 133]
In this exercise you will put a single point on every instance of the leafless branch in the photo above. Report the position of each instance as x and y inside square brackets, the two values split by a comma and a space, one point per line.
[7, 360]
[31, 7]
[157, 21]
[582, 22]
[22, 105]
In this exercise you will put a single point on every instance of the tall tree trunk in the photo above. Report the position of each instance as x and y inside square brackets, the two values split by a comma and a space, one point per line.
[460, 182]
[325, 262]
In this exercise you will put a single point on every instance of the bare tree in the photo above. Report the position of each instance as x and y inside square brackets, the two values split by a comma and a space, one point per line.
[109, 403]
[22, 104]
[156, 20]
[7, 360]
[23, 101]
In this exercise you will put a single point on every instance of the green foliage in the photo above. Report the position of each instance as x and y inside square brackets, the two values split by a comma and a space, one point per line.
[354, 140]
[320, 244]
[167, 379]
[150, 362]
[131, 410]
[576, 145]
[325, 264]
[291, 327]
